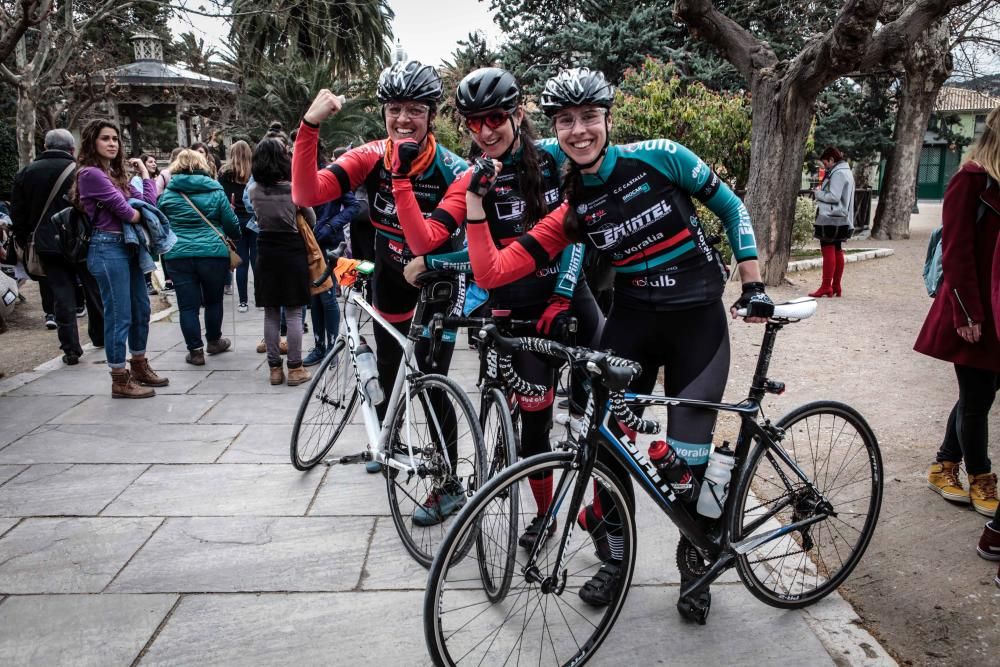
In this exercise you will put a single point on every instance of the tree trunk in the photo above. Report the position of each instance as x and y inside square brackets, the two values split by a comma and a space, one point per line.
[927, 64]
[25, 123]
[781, 120]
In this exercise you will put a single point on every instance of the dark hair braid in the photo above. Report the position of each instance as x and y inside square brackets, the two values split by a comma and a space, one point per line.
[572, 186]
[529, 176]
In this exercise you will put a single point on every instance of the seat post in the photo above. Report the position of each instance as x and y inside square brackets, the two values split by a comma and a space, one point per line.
[764, 360]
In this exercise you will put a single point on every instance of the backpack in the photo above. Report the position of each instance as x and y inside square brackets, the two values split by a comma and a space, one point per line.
[933, 267]
[72, 230]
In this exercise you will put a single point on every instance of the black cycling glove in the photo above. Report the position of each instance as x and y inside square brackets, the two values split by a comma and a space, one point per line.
[406, 153]
[755, 300]
[483, 173]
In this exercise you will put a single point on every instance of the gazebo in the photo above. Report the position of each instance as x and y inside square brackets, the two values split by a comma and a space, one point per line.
[149, 87]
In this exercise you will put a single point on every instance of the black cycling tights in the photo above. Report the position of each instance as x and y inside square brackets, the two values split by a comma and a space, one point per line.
[692, 347]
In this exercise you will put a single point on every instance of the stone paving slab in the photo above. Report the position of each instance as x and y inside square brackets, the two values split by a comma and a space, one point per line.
[390, 566]
[166, 409]
[69, 555]
[296, 629]
[173, 360]
[7, 524]
[79, 630]
[23, 414]
[65, 489]
[97, 381]
[260, 443]
[8, 471]
[239, 382]
[125, 443]
[217, 490]
[280, 408]
[349, 490]
[249, 554]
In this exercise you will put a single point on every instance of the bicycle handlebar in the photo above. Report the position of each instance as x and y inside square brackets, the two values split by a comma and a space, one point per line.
[331, 261]
[614, 372]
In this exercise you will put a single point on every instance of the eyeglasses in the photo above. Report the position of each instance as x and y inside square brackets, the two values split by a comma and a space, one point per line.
[493, 120]
[566, 120]
[408, 110]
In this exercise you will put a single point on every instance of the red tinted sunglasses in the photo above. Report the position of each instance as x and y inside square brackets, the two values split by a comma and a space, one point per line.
[493, 120]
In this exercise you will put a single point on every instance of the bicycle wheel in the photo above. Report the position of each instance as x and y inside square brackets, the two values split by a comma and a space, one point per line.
[326, 408]
[835, 448]
[501, 451]
[439, 436]
[538, 619]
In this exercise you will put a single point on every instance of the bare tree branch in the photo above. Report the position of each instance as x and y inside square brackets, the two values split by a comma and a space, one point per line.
[31, 13]
[740, 47]
[896, 36]
[836, 53]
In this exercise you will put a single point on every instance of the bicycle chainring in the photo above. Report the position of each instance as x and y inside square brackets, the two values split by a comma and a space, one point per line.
[690, 562]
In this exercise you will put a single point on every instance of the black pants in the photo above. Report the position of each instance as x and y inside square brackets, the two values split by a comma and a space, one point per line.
[966, 437]
[45, 291]
[61, 278]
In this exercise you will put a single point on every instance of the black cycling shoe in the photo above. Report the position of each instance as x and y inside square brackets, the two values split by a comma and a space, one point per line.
[598, 591]
[589, 522]
[530, 534]
[696, 607]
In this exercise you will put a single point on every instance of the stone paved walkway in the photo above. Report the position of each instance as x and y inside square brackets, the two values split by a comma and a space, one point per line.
[174, 531]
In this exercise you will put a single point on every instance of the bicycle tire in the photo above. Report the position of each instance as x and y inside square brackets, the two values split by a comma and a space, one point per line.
[409, 492]
[501, 452]
[333, 392]
[456, 616]
[817, 558]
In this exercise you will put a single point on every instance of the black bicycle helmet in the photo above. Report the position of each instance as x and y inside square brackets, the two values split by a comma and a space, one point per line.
[409, 81]
[576, 87]
[487, 88]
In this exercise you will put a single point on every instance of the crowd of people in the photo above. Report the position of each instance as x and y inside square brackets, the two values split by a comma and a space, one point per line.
[534, 221]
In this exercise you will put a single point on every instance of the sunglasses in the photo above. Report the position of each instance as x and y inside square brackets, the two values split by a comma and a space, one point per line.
[493, 120]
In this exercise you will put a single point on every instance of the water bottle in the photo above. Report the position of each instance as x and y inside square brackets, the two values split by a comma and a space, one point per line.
[715, 486]
[674, 470]
[368, 371]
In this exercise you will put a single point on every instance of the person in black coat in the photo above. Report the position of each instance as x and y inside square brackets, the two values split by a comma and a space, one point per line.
[32, 186]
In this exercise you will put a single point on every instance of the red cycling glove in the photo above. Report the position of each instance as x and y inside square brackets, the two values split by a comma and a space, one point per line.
[558, 307]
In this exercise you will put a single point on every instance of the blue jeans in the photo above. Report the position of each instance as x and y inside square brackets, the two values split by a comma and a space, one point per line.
[246, 248]
[325, 318]
[123, 292]
[198, 281]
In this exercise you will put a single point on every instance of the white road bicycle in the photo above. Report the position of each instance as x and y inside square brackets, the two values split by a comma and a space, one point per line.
[430, 445]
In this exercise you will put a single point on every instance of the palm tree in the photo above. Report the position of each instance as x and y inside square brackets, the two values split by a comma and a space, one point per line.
[352, 36]
[191, 51]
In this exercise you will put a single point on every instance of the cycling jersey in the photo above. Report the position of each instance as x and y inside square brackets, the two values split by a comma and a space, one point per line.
[505, 209]
[637, 209]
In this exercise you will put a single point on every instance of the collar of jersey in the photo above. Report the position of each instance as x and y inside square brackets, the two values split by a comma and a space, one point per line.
[607, 166]
[514, 157]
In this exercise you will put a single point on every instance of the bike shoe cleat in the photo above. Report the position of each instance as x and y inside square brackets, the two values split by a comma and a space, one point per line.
[695, 607]
[598, 591]
[589, 522]
[438, 507]
[527, 539]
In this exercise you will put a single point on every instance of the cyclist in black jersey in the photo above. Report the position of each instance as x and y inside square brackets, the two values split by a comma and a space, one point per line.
[526, 188]
[633, 205]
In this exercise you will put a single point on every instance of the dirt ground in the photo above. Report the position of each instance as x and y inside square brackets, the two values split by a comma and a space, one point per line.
[27, 343]
[921, 588]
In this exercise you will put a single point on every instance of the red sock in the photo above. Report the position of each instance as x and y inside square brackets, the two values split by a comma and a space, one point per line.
[541, 489]
[598, 510]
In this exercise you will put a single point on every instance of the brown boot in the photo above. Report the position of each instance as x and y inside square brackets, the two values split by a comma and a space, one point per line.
[218, 346]
[983, 493]
[298, 376]
[277, 375]
[144, 375]
[122, 386]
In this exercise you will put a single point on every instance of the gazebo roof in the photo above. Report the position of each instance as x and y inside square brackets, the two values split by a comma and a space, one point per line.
[150, 70]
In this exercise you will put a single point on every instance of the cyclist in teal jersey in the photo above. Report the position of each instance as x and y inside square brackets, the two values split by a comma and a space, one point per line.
[525, 190]
[633, 204]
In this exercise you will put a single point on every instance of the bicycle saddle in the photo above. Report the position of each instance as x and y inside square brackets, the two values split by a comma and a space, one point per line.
[790, 311]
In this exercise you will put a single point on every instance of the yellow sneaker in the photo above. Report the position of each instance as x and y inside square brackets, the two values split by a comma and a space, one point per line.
[983, 493]
[943, 478]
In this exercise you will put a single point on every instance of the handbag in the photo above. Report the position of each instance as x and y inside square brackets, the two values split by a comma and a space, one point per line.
[314, 256]
[234, 258]
[32, 262]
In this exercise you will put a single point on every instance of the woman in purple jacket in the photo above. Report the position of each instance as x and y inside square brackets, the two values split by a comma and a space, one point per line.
[102, 191]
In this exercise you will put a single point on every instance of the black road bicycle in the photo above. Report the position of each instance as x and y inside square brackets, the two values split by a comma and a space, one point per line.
[803, 503]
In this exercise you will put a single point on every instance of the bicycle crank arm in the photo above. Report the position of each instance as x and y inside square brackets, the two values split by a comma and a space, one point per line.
[745, 546]
[363, 457]
[715, 570]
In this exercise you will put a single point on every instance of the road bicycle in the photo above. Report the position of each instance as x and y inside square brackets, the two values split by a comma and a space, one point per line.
[430, 444]
[804, 500]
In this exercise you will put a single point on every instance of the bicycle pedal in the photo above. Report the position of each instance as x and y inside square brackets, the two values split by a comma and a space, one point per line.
[695, 608]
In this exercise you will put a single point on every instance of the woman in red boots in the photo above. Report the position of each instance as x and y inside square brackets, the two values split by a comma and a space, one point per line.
[834, 218]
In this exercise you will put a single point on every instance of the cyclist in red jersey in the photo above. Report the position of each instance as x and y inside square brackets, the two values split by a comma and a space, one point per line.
[633, 205]
[409, 160]
[526, 189]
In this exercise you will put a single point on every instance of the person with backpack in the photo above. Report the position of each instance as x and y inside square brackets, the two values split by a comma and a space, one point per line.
[40, 190]
[962, 326]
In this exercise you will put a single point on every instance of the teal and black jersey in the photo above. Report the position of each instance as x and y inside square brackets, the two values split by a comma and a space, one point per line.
[638, 210]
